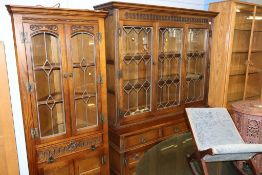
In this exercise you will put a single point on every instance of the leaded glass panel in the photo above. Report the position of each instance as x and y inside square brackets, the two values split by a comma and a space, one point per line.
[84, 75]
[47, 76]
[136, 65]
[169, 66]
[196, 65]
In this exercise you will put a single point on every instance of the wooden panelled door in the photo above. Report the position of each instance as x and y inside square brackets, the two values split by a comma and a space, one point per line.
[65, 93]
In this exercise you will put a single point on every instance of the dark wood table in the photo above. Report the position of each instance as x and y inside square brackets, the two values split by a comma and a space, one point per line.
[169, 158]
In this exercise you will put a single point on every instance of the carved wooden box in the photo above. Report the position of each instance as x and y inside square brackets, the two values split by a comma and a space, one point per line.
[247, 116]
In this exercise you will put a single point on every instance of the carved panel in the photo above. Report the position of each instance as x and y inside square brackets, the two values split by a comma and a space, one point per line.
[37, 27]
[253, 128]
[77, 28]
[147, 16]
[66, 148]
[248, 119]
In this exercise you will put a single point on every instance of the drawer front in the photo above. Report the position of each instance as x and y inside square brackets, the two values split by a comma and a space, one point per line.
[135, 157]
[49, 154]
[141, 138]
[174, 129]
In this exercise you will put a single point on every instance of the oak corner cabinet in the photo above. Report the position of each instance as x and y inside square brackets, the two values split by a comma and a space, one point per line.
[157, 64]
[236, 55]
[60, 56]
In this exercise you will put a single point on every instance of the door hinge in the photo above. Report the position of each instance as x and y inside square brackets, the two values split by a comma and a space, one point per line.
[119, 74]
[119, 31]
[29, 87]
[100, 79]
[99, 37]
[120, 113]
[103, 159]
[24, 37]
[210, 33]
[125, 161]
[34, 133]
[102, 119]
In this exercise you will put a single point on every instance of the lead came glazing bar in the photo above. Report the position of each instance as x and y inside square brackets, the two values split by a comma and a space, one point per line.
[136, 63]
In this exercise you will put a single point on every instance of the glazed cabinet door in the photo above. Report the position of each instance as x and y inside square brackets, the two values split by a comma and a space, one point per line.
[240, 53]
[170, 48]
[196, 64]
[253, 88]
[85, 81]
[135, 70]
[45, 57]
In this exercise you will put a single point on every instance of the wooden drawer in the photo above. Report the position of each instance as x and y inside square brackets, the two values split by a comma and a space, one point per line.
[131, 161]
[141, 138]
[174, 129]
[135, 157]
[49, 153]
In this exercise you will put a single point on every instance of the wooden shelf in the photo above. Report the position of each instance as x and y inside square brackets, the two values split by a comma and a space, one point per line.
[238, 29]
[256, 51]
[54, 66]
[240, 51]
[79, 65]
[232, 97]
[190, 77]
[135, 110]
[135, 57]
[236, 96]
[55, 96]
[164, 55]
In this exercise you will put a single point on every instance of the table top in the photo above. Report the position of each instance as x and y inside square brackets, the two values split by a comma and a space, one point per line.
[249, 107]
[169, 158]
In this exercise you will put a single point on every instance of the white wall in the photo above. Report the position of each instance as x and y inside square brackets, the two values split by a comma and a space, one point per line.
[6, 36]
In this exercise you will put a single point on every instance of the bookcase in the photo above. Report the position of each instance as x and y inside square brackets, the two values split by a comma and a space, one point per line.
[157, 64]
[60, 56]
[236, 59]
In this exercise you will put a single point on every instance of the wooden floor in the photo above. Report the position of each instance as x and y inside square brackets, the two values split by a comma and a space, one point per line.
[169, 158]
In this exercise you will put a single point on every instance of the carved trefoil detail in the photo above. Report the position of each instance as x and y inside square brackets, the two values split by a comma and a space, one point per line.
[37, 27]
[76, 28]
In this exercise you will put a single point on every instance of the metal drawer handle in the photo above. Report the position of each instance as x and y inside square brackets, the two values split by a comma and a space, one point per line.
[176, 129]
[50, 159]
[93, 147]
[136, 157]
[142, 139]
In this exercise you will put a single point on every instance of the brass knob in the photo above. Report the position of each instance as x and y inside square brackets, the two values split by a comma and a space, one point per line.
[142, 139]
[176, 129]
[50, 159]
[93, 147]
